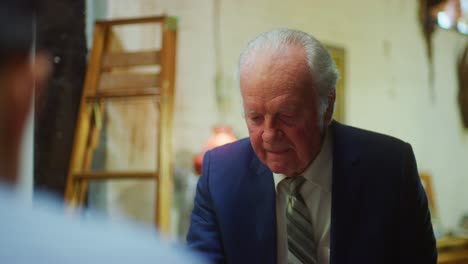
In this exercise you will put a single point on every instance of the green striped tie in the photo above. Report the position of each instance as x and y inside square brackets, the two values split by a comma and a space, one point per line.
[301, 245]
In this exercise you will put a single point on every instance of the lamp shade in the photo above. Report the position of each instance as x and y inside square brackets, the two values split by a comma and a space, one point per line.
[222, 134]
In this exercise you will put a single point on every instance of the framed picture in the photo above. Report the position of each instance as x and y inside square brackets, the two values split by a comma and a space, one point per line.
[338, 55]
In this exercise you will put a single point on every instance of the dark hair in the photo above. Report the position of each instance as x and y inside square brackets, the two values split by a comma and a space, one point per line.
[16, 26]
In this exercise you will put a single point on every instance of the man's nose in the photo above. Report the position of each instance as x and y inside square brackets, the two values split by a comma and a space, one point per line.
[271, 132]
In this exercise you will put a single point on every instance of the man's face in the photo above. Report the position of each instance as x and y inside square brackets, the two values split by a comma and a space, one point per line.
[281, 109]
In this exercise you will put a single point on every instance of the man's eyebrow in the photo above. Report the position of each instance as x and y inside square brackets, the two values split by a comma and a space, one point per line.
[250, 111]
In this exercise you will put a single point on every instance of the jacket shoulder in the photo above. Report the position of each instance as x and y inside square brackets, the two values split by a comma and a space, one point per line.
[238, 152]
[366, 138]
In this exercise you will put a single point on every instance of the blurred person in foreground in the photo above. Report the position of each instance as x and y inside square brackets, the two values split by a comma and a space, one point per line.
[304, 188]
[41, 234]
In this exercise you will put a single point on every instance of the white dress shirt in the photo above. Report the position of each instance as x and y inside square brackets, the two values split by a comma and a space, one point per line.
[316, 192]
[43, 234]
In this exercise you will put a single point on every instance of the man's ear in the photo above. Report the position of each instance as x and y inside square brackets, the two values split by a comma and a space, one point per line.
[18, 78]
[24, 75]
[21, 83]
[330, 107]
[28, 77]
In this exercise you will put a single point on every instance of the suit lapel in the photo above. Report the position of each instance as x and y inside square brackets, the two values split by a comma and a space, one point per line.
[345, 187]
[260, 209]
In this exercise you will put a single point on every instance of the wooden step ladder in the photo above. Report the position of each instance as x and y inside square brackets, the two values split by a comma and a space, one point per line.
[101, 85]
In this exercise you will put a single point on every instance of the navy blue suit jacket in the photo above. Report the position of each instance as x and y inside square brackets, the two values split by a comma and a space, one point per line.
[379, 208]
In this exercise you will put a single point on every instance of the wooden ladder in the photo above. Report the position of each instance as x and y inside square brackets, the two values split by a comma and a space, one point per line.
[102, 85]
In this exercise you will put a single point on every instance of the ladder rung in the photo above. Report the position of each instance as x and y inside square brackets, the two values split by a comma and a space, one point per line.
[122, 93]
[128, 80]
[130, 59]
[115, 175]
[130, 21]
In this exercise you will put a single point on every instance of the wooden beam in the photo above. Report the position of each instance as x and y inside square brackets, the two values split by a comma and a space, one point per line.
[165, 184]
[123, 93]
[84, 115]
[115, 175]
[451, 242]
[129, 21]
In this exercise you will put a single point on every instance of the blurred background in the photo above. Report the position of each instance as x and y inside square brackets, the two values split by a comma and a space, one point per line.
[403, 73]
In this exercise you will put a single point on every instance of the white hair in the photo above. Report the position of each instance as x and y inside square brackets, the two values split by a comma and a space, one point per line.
[321, 65]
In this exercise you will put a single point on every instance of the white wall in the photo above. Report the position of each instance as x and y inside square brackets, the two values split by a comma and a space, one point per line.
[387, 84]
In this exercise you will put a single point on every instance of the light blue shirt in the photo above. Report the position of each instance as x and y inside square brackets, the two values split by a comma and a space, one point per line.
[43, 234]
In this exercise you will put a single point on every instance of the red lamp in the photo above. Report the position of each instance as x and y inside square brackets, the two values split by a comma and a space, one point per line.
[222, 134]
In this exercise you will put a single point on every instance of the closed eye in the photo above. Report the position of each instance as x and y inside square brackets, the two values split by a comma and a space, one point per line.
[288, 119]
[256, 119]
[287, 116]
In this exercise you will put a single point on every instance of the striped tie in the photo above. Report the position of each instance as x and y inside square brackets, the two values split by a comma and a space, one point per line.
[301, 245]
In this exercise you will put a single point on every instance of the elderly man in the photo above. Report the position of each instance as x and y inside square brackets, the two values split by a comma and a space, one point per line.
[303, 188]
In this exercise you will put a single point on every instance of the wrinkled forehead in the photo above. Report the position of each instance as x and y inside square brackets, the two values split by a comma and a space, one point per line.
[284, 68]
